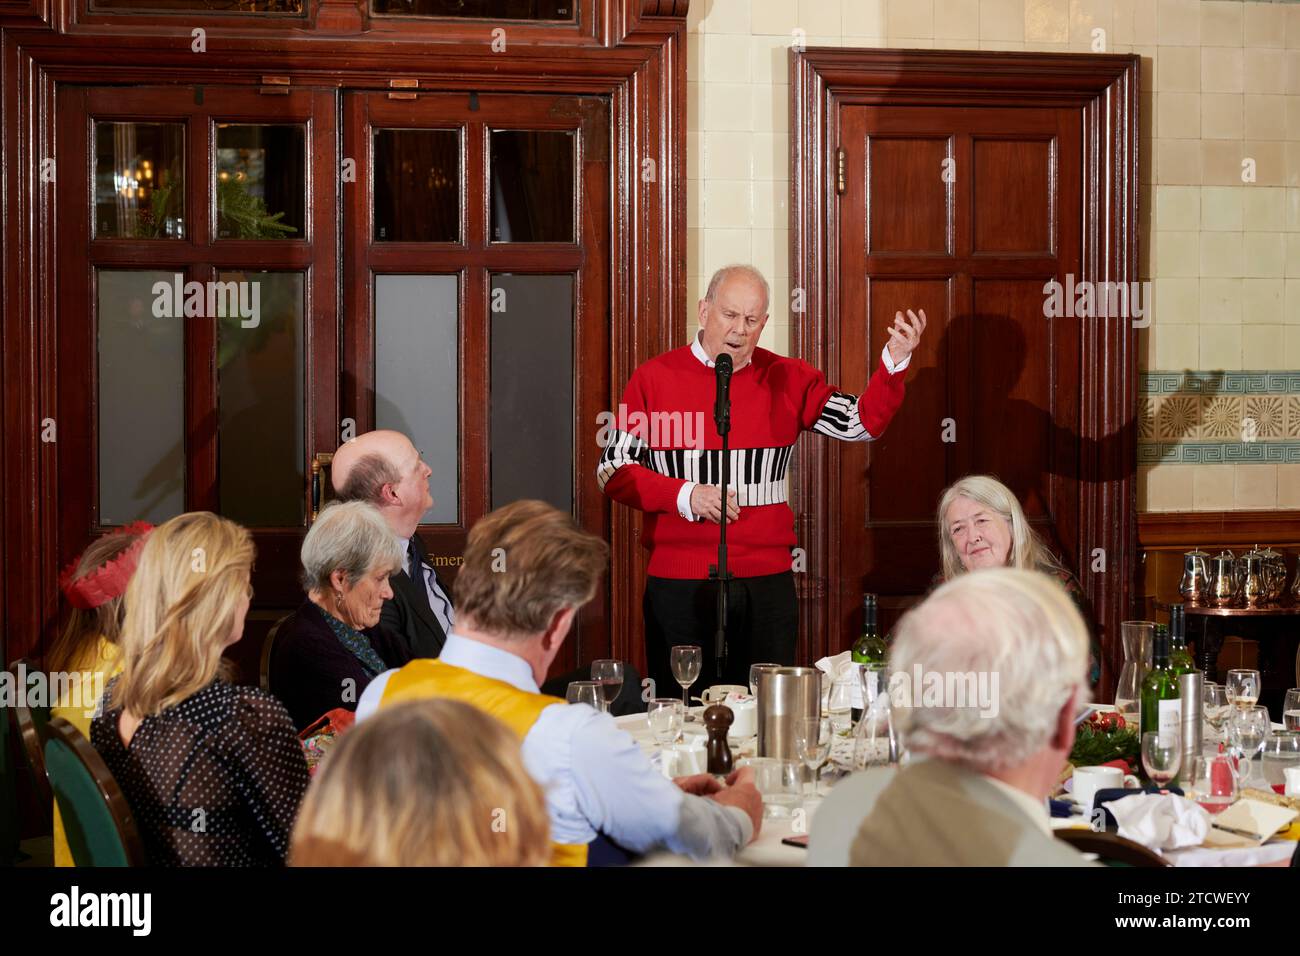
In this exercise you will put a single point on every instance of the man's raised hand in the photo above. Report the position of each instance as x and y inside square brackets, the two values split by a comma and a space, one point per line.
[905, 334]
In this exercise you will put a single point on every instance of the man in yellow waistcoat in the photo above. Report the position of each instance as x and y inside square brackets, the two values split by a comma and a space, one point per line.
[528, 570]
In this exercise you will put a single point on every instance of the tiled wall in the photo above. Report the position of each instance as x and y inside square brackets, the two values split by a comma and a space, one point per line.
[1221, 83]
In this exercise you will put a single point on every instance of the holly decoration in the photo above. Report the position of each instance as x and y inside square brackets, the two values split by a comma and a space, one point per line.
[1104, 737]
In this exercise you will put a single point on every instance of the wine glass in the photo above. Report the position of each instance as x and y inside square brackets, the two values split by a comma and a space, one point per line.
[754, 671]
[1247, 731]
[1215, 706]
[686, 660]
[665, 716]
[812, 740]
[1162, 755]
[1213, 783]
[609, 675]
[1281, 753]
[1291, 709]
[1243, 688]
[583, 692]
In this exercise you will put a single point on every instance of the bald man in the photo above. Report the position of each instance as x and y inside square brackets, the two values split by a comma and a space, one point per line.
[385, 469]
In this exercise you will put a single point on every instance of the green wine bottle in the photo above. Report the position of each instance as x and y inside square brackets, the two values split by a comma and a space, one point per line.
[870, 648]
[1179, 656]
[1161, 711]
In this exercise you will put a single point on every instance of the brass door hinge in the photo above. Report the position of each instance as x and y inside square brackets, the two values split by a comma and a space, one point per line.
[841, 185]
[403, 85]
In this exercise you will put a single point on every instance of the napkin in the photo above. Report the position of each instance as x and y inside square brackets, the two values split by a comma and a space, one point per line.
[833, 666]
[1250, 816]
[1160, 821]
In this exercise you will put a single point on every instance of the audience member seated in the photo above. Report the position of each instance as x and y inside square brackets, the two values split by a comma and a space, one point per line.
[528, 570]
[384, 469]
[982, 525]
[86, 652]
[425, 783]
[979, 796]
[213, 771]
[327, 651]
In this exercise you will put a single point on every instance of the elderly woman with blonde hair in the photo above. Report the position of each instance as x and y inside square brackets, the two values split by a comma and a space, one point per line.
[982, 525]
[212, 770]
[424, 783]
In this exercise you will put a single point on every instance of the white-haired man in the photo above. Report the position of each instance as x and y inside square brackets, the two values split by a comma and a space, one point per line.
[987, 675]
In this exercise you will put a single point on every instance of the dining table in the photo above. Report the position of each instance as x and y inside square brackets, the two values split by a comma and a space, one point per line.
[781, 823]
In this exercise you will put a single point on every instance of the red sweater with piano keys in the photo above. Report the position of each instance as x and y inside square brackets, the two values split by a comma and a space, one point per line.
[663, 436]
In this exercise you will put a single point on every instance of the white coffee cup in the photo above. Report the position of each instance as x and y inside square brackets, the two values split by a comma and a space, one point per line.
[1088, 780]
[1292, 777]
[717, 694]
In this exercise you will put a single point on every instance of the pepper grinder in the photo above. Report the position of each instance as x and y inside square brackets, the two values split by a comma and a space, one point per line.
[717, 720]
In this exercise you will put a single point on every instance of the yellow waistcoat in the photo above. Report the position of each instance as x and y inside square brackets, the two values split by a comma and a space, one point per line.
[518, 709]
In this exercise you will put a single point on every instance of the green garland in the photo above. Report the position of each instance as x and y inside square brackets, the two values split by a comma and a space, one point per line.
[1094, 746]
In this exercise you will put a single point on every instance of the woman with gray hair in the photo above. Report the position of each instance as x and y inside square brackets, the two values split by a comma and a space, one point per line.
[982, 525]
[327, 651]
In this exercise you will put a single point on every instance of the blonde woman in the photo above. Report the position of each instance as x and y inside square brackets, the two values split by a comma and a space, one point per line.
[982, 525]
[213, 771]
[424, 783]
[86, 651]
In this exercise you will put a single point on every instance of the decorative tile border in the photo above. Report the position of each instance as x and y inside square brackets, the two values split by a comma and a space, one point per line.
[1196, 417]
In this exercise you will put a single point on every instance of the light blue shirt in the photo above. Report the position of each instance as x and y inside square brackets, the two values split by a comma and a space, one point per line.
[596, 778]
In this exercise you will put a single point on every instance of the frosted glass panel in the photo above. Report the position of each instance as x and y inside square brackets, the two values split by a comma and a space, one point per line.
[417, 380]
[141, 401]
[532, 389]
[260, 401]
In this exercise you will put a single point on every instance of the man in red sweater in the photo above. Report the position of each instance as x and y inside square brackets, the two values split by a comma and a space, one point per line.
[664, 457]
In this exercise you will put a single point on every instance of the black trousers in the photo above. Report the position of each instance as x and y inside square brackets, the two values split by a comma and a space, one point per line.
[762, 627]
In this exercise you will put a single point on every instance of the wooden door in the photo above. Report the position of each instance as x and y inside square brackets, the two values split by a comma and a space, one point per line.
[477, 304]
[962, 183]
[966, 213]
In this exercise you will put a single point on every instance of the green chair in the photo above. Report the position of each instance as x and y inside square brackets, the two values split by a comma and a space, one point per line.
[31, 723]
[97, 820]
[9, 825]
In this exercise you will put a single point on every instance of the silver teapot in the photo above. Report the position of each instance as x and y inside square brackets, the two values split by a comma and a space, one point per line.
[1195, 585]
[1224, 582]
[1274, 573]
[1251, 582]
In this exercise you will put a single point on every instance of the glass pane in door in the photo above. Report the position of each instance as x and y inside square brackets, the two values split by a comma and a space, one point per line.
[260, 181]
[533, 185]
[139, 181]
[260, 469]
[141, 377]
[532, 389]
[417, 185]
[417, 378]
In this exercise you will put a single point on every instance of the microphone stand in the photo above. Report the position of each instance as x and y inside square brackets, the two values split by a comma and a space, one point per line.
[718, 572]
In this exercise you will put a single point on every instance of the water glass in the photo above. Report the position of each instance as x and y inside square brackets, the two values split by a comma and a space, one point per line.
[665, 715]
[812, 741]
[584, 692]
[1247, 732]
[777, 782]
[1213, 783]
[1281, 752]
[1291, 709]
[754, 671]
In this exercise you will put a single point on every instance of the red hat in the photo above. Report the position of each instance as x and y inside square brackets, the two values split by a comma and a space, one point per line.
[109, 581]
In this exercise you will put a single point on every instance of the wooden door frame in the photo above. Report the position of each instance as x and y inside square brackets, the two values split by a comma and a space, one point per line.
[1105, 89]
[639, 62]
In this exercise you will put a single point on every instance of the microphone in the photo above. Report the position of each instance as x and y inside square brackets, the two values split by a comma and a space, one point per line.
[722, 403]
